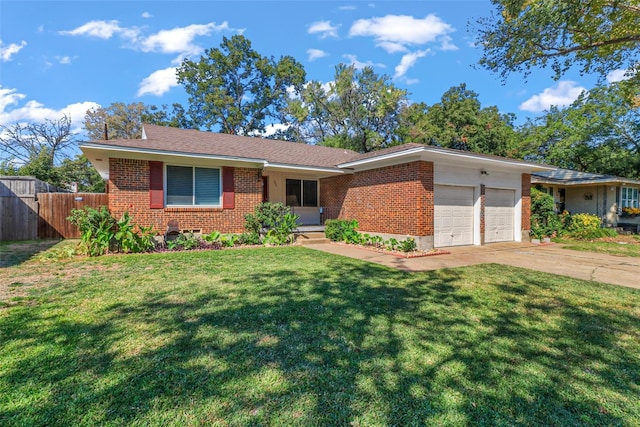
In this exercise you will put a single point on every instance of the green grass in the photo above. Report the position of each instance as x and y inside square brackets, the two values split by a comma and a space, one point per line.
[626, 247]
[292, 336]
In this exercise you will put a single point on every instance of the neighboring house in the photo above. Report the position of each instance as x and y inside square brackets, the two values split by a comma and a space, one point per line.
[606, 196]
[209, 181]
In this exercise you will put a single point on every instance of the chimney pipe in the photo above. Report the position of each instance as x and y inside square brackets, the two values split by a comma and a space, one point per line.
[106, 132]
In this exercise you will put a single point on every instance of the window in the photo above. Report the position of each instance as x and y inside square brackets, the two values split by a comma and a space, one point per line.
[187, 186]
[629, 198]
[302, 193]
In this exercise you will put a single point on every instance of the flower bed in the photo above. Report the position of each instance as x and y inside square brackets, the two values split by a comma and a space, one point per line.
[399, 254]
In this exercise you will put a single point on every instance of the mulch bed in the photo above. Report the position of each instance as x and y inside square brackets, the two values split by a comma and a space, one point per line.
[399, 254]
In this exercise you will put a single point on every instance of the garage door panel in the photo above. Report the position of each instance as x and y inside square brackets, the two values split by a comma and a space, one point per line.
[499, 215]
[453, 215]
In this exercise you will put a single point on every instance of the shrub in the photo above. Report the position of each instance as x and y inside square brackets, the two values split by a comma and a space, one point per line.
[587, 226]
[273, 220]
[408, 245]
[184, 241]
[340, 230]
[544, 221]
[97, 229]
[128, 240]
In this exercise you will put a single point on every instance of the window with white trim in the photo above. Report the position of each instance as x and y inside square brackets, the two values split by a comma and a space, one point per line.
[629, 197]
[302, 192]
[191, 186]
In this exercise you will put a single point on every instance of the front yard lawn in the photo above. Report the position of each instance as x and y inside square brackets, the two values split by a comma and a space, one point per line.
[623, 245]
[292, 336]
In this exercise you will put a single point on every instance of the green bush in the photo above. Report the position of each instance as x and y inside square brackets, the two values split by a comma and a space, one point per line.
[97, 229]
[129, 240]
[274, 221]
[587, 226]
[340, 230]
[101, 233]
[544, 220]
[408, 245]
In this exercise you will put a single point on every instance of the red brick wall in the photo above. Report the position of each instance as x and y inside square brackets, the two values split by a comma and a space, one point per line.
[483, 199]
[395, 199]
[526, 201]
[129, 191]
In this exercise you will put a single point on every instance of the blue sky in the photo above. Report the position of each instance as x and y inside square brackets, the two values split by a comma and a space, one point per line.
[63, 57]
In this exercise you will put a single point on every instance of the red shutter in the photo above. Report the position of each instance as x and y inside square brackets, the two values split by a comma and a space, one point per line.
[228, 188]
[156, 181]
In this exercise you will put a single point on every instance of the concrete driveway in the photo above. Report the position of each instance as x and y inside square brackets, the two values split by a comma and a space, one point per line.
[549, 258]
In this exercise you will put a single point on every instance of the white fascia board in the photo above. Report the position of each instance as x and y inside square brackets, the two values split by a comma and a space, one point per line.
[433, 154]
[382, 158]
[573, 183]
[146, 152]
[284, 166]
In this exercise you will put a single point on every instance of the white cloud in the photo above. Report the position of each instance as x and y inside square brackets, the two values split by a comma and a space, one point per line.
[446, 43]
[34, 111]
[347, 8]
[392, 47]
[63, 59]
[6, 52]
[146, 15]
[401, 29]
[560, 95]
[180, 39]
[408, 61]
[324, 28]
[102, 30]
[314, 54]
[158, 82]
[619, 75]
[353, 60]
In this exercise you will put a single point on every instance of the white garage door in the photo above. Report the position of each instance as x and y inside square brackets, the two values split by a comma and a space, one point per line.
[453, 215]
[498, 214]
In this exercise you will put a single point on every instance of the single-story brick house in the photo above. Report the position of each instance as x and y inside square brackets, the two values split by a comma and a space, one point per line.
[209, 181]
[603, 195]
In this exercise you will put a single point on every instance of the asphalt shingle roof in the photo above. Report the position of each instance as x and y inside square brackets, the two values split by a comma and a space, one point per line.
[161, 138]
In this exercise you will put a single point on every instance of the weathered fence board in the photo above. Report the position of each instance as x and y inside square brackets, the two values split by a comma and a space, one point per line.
[18, 208]
[56, 207]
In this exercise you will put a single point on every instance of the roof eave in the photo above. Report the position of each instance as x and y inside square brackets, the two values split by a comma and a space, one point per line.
[430, 150]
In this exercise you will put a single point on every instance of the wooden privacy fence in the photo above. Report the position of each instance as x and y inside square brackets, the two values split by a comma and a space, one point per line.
[19, 208]
[32, 209]
[54, 208]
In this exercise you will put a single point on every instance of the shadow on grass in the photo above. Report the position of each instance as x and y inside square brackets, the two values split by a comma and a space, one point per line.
[15, 253]
[339, 342]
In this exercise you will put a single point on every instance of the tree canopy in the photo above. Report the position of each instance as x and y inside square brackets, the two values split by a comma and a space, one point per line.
[359, 110]
[236, 90]
[43, 150]
[458, 121]
[597, 36]
[599, 133]
[124, 121]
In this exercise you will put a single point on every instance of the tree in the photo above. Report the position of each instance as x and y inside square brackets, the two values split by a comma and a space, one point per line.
[82, 172]
[598, 36]
[237, 90]
[459, 122]
[124, 121]
[599, 133]
[359, 110]
[35, 148]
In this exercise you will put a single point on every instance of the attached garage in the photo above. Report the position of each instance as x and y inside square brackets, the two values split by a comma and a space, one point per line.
[499, 215]
[453, 215]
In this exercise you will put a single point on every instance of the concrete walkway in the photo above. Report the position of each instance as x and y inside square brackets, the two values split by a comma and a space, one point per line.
[549, 258]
